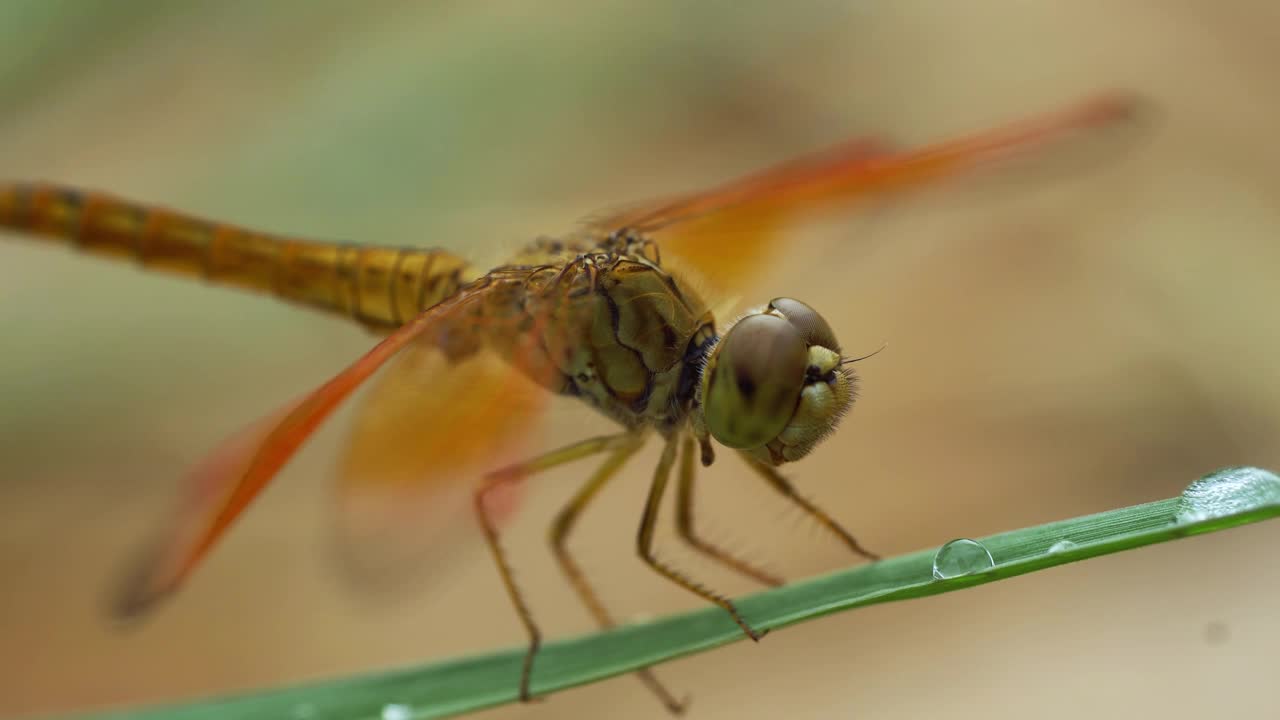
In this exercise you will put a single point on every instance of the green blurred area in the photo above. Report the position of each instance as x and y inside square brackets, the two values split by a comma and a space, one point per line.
[1059, 343]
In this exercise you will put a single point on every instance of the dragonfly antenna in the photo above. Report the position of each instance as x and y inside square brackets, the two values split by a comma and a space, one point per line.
[850, 361]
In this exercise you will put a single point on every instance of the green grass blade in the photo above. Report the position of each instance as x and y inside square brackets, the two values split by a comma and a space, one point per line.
[1223, 500]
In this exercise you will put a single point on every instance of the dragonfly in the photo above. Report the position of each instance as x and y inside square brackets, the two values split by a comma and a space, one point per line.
[607, 314]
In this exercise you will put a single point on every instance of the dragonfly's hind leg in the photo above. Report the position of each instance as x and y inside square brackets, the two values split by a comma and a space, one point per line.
[784, 486]
[644, 543]
[686, 530]
[621, 447]
[563, 525]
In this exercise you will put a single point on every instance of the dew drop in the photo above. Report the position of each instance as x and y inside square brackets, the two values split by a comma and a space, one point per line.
[1228, 492]
[396, 711]
[961, 557]
[1062, 546]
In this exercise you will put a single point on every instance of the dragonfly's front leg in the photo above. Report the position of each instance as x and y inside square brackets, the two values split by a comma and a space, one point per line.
[644, 542]
[686, 530]
[780, 483]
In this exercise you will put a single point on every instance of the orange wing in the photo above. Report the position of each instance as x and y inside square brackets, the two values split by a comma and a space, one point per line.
[424, 434]
[726, 232]
[221, 487]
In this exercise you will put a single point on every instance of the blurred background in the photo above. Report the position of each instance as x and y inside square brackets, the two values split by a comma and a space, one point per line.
[1060, 343]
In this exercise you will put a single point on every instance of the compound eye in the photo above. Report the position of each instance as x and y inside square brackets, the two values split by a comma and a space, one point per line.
[811, 325]
[756, 377]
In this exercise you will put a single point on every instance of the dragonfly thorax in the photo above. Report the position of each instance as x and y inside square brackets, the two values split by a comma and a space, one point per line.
[775, 385]
[613, 328]
[620, 332]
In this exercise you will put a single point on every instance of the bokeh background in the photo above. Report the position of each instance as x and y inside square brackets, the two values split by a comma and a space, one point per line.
[1059, 342]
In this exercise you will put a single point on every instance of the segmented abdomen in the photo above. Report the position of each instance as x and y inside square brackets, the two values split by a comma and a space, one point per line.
[376, 286]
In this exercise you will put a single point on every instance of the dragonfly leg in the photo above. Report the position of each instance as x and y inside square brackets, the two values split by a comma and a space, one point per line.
[686, 530]
[644, 543]
[515, 473]
[784, 486]
[563, 525]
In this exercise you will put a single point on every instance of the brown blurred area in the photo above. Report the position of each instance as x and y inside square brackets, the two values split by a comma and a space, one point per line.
[1060, 343]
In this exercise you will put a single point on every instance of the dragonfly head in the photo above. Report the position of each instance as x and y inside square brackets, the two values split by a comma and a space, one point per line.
[775, 384]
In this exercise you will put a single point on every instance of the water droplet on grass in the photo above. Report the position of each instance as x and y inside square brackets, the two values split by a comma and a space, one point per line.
[396, 711]
[961, 557]
[1062, 546]
[1227, 492]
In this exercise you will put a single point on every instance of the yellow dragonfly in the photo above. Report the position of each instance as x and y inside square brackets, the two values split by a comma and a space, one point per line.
[600, 315]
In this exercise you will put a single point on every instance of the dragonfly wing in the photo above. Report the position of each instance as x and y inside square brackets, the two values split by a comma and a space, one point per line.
[727, 232]
[654, 215]
[232, 476]
[425, 433]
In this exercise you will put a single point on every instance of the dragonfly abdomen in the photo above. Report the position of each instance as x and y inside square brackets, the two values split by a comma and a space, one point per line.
[376, 286]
